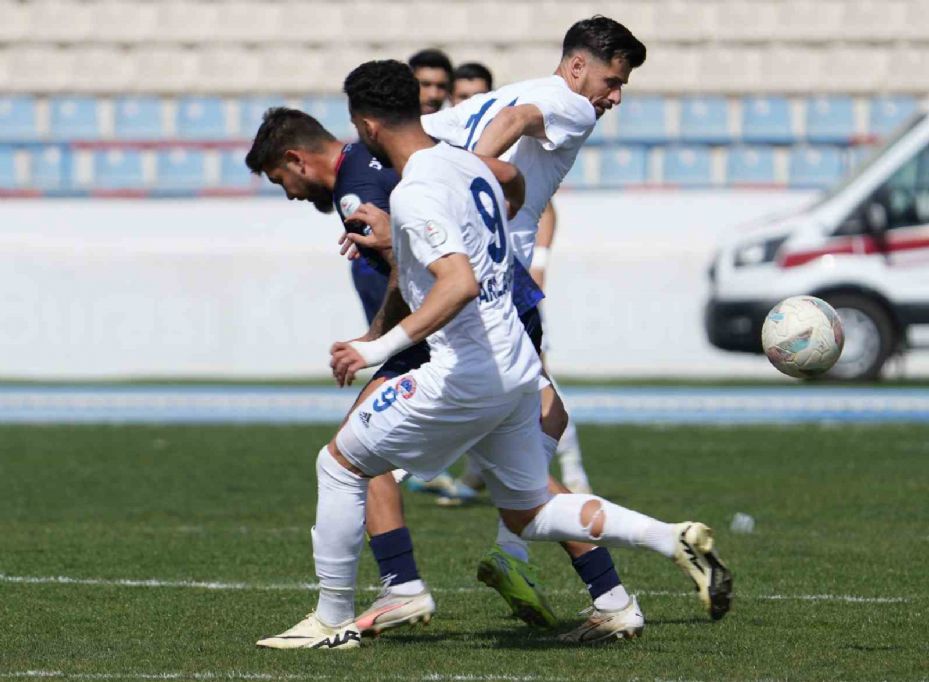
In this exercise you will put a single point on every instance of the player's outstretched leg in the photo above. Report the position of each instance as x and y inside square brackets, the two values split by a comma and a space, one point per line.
[593, 519]
[405, 598]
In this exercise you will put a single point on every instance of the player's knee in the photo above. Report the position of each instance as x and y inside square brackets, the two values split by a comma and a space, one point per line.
[517, 520]
[593, 518]
[330, 455]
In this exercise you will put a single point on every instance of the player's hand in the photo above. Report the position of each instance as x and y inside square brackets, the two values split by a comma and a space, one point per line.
[378, 221]
[348, 248]
[345, 362]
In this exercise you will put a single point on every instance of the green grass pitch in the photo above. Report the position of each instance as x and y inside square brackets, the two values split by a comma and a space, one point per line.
[831, 585]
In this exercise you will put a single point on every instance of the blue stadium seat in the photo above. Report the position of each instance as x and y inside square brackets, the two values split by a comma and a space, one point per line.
[201, 118]
[815, 166]
[138, 118]
[688, 166]
[17, 118]
[181, 169]
[233, 173]
[8, 168]
[251, 109]
[705, 119]
[51, 168]
[623, 166]
[642, 119]
[74, 118]
[577, 176]
[886, 113]
[859, 154]
[767, 120]
[118, 169]
[750, 166]
[830, 119]
[332, 112]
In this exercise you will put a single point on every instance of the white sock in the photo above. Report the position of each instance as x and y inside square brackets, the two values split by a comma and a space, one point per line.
[569, 455]
[337, 537]
[614, 600]
[560, 519]
[409, 588]
[511, 543]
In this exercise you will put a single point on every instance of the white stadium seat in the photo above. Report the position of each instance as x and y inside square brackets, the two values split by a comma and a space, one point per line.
[452, 18]
[670, 68]
[229, 69]
[39, 69]
[166, 69]
[252, 22]
[868, 20]
[118, 21]
[106, 69]
[909, 70]
[15, 23]
[186, 22]
[508, 23]
[734, 69]
[792, 69]
[686, 21]
[747, 21]
[808, 20]
[842, 66]
[314, 22]
[59, 21]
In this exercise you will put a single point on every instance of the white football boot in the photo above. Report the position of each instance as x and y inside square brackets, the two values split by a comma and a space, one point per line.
[602, 625]
[390, 610]
[312, 633]
[697, 558]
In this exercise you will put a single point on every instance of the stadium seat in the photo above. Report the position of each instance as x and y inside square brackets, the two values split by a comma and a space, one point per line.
[815, 166]
[233, 173]
[118, 169]
[74, 118]
[251, 109]
[642, 119]
[750, 166]
[705, 119]
[138, 118]
[886, 113]
[859, 154]
[767, 120]
[201, 118]
[623, 166]
[50, 168]
[17, 118]
[830, 119]
[180, 169]
[689, 166]
[332, 112]
[8, 168]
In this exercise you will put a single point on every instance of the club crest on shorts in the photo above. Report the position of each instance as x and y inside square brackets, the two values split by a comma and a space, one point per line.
[406, 387]
[435, 233]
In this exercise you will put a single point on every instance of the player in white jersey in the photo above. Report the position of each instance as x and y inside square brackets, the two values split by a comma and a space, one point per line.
[539, 125]
[479, 390]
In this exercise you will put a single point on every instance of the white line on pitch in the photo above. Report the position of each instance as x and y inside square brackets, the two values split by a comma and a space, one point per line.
[270, 587]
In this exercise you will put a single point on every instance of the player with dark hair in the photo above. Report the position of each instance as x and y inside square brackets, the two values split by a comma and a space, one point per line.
[479, 390]
[541, 124]
[433, 70]
[471, 78]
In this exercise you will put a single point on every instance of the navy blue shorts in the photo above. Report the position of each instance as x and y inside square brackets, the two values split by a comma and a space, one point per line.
[418, 355]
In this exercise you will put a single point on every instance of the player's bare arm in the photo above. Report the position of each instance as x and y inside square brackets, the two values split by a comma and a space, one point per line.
[455, 286]
[512, 182]
[508, 126]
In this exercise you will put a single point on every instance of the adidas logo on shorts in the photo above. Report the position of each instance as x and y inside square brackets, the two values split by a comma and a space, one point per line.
[365, 418]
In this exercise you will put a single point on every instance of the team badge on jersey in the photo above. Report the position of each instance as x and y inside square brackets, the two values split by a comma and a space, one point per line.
[349, 203]
[406, 387]
[435, 233]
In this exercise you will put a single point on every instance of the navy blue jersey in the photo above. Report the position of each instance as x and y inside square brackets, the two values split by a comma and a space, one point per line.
[360, 179]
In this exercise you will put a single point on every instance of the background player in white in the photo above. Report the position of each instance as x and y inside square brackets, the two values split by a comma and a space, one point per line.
[469, 79]
[479, 390]
[540, 125]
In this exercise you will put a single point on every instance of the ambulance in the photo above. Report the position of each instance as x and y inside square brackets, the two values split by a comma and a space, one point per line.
[863, 247]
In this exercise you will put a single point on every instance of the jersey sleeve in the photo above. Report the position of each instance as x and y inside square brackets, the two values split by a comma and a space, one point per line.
[427, 220]
[369, 187]
[567, 116]
[446, 125]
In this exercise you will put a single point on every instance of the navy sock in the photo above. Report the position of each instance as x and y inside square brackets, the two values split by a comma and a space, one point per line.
[393, 552]
[597, 571]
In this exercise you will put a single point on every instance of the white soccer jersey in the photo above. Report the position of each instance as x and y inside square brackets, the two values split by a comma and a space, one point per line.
[569, 119]
[447, 202]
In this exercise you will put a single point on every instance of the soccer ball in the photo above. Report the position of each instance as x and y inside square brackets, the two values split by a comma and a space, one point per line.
[802, 336]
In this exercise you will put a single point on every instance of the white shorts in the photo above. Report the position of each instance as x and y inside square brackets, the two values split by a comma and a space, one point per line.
[402, 426]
